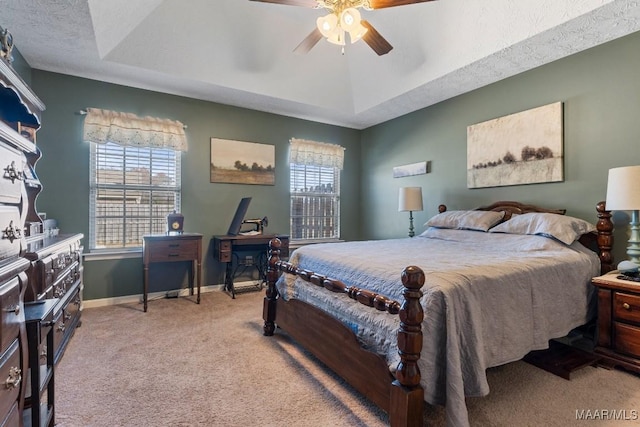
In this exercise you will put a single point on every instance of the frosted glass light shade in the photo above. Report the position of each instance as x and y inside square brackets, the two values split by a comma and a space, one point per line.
[328, 25]
[410, 199]
[357, 33]
[350, 19]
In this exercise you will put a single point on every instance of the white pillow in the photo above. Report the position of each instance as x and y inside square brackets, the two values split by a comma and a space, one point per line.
[466, 220]
[566, 229]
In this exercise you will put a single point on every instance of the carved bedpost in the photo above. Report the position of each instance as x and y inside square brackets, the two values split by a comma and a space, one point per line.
[605, 238]
[407, 396]
[271, 296]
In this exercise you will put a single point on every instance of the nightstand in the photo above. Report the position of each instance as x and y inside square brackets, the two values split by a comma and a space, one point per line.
[618, 322]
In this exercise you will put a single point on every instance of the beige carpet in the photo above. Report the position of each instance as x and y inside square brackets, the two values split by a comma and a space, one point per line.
[183, 364]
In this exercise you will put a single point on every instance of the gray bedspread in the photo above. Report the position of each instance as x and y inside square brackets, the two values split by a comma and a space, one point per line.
[488, 298]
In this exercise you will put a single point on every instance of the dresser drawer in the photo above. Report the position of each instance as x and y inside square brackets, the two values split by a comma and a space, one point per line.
[627, 339]
[59, 329]
[626, 307]
[54, 266]
[12, 315]
[11, 231]
[175, 250]
[13, 419]
[65, 321]
[10, 377]
[12, 165]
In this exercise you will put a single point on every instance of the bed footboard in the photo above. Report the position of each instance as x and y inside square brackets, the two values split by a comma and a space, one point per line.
[337, 347]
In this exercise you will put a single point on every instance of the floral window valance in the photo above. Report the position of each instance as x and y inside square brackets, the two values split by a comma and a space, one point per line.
[314, 153]
[102, 126]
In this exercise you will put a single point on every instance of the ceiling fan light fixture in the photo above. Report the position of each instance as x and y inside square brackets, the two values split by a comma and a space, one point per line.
[358, 33]
[350, 19]
[328, 25]
[337, 37]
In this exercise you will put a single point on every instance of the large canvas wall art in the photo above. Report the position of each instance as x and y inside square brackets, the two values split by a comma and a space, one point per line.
[238, 162]
[521, 148]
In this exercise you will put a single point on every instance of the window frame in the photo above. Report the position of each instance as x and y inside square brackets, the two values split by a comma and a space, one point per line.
[331, 200]
[135, 156]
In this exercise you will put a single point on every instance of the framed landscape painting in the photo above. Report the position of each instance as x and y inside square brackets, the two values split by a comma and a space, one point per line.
[521, 148]
[239, 162]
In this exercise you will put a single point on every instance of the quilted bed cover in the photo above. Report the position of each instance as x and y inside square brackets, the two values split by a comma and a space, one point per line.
[488, 299]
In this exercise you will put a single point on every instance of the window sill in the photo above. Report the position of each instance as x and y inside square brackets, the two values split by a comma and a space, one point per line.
[103, 255]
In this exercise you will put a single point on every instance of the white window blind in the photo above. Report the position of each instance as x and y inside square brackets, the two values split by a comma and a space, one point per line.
[133, 189]
[315, 190]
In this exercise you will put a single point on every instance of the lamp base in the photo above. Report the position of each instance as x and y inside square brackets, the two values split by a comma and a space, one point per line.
[633, 250]
[411, 233]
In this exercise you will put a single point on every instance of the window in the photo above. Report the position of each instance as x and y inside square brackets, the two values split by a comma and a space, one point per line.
[315, 190]
[134, 176]
[315, 202]
[133, 189]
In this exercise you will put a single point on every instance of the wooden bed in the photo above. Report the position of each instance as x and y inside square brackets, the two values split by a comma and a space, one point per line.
[400, 395]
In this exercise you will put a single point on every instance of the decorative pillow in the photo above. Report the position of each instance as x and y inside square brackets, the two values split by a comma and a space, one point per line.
[466, 220]
[566, 229]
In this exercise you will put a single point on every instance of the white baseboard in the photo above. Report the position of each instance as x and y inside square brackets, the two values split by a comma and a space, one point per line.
[130, 299]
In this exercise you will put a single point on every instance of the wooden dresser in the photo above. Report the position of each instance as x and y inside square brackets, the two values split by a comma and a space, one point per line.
[34, 264]
[56, 272]
[618, 322]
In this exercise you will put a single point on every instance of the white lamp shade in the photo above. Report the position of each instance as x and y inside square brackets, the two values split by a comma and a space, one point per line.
[623, 189]
[410, 199]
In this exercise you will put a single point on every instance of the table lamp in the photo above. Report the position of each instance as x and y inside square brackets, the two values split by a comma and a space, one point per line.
[623, 194]
[410, 199]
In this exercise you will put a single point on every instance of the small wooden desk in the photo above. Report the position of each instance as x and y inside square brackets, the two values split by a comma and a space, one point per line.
[172, 248]
[224, 247]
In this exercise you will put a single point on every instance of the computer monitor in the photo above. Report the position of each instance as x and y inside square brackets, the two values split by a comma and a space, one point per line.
[241, 211]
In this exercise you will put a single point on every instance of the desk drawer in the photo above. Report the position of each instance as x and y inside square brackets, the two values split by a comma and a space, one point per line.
[175, 250]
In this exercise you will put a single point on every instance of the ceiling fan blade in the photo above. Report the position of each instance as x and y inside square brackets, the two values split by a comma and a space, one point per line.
[309, 42]
[381, 4]
[375, 40]
[302, 3]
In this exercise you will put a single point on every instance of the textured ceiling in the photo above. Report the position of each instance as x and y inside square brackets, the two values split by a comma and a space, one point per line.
[240, 52]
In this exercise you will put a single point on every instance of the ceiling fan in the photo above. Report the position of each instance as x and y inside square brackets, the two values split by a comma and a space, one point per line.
[343, 18]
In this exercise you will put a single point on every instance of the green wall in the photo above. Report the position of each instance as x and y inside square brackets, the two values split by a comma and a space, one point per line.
[600, 90]
[207, 207]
